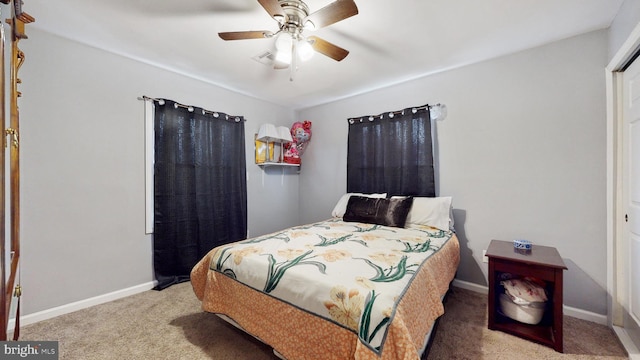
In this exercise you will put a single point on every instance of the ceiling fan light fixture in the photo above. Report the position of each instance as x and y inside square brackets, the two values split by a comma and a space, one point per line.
[309, 25]
[283, 57]
[284, 42]
[284, 47]
[305, 50]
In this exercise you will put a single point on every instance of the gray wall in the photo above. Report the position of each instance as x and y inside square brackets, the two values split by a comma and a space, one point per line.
[522, 152]
[82, 159]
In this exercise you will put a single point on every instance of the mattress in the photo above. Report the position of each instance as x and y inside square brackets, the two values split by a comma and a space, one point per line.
[333, 289]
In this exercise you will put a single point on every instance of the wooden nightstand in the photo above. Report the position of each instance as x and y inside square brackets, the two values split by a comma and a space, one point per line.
[544, 263]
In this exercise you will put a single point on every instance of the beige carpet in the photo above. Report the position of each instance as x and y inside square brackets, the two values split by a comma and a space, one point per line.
[169, 324]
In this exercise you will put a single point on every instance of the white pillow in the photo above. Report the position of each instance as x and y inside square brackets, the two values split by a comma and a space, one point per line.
[341, 206]
[431, 211]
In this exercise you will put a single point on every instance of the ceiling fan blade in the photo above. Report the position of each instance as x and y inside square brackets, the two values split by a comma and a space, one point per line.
[332, 13]
[328, 49]
[273, 8]
[242, 35]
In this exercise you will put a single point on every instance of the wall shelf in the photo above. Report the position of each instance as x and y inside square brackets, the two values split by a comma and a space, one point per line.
[265, 152]
[265, 164]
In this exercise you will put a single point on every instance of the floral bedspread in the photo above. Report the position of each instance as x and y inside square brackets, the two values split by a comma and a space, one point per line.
[352, 274]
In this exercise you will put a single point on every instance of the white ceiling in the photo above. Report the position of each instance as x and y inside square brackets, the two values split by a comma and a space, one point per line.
[389, 41]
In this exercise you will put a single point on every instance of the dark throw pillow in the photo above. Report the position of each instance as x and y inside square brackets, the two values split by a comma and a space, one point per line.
[397, 211]
[388, 212]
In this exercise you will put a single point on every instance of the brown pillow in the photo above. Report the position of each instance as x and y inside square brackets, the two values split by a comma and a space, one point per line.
[388, 212]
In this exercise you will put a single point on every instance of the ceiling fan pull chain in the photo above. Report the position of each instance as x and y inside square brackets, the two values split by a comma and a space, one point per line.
[294, 61]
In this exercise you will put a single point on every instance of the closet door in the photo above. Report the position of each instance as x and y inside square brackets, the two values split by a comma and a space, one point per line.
[630, 266]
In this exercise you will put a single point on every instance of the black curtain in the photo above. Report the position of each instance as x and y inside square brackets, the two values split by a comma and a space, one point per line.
[391, 153]
[200, 188]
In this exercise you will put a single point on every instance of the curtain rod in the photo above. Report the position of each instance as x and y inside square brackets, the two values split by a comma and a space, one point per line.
[191, 108]
[393, 113]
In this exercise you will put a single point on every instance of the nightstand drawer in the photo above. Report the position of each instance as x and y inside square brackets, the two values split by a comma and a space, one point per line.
[537, 271]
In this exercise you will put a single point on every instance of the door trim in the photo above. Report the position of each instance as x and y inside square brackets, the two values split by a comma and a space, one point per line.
[614, 178]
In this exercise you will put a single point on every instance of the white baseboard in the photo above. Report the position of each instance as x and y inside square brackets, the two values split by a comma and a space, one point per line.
[627, 343]
[568, 310]
[82, 304]
[470, 286]
[585, 315]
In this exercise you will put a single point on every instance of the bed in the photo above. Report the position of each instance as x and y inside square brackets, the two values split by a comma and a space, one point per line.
[367, 283]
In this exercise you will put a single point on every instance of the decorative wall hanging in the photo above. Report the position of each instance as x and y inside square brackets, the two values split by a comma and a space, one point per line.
[301, 134]
[10, 290]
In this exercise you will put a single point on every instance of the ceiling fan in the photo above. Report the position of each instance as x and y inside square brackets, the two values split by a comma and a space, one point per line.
[293, 19]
